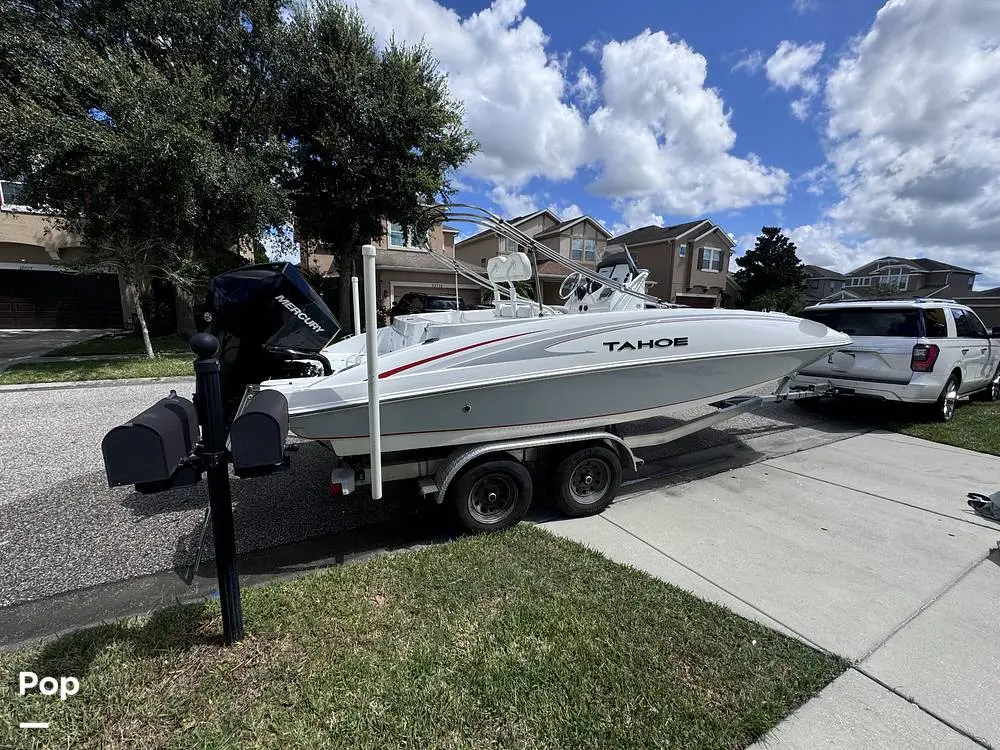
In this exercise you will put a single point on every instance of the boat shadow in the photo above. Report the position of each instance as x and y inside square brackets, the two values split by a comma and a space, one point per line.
[287, 524]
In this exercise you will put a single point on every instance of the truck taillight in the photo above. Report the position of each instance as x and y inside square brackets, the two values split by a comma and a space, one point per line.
[923, 358]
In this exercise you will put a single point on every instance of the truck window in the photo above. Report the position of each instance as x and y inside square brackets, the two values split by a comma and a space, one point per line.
[978, 329]
[870, 321]
[963, 328]
[935, 323]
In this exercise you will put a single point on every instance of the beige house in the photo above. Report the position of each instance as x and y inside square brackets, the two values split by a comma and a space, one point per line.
[581, 239]
[35, 290]
[403, 264]
[688, 263]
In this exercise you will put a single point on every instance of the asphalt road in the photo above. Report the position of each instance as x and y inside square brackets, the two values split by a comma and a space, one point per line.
[62, 529]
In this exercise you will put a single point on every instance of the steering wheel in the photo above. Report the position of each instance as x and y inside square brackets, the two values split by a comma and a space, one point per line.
[570, 284]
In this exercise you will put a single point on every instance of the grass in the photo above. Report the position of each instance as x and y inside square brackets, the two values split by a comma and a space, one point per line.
[118, 344]
[519, 640]
[51, 372]
[975, 426]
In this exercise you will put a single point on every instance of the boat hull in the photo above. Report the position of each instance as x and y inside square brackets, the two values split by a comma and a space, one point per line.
[540, 406]
[555, 375]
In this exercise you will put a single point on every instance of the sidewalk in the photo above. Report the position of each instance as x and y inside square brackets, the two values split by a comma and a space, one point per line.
[885, 566]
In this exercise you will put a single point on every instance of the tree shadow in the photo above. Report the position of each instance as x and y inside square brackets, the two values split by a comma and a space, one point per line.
[172, 630]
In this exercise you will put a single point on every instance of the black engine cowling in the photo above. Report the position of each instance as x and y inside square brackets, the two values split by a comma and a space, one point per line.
[270, 323]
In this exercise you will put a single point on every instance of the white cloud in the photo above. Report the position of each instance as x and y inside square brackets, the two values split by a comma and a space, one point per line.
[791, 66]
[513, 90]
[513, 203]
[800, 108]
[750, 62]
[586, 87]
[657, 120]
[914, 127]
[654, 115]
[592, 47]
[804, 6]
[566, 211]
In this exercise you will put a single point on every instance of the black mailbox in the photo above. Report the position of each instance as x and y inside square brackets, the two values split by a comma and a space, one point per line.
[152, 445]
[257, 436]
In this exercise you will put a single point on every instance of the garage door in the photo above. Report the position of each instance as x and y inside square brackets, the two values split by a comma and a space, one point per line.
[53, 299]
[692, 301]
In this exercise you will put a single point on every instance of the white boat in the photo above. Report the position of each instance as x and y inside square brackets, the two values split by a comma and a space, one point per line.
[553, 374]
[610, 355]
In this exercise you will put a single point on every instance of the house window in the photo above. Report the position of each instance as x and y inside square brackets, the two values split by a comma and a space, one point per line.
[682, 251]
[508, 245]
[10, 193]
[583, 249]
[710, 259]
[397, 236]
[971, 279]
[861, 281]
[814, 284]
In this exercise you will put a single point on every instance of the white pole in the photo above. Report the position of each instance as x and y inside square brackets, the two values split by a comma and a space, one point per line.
[356, 300]
[456, 289]
[371, 334]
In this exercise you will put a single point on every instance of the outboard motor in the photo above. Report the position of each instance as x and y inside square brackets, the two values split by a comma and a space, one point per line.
[270, 324]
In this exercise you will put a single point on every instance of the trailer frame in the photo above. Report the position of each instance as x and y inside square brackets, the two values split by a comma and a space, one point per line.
[436, 472]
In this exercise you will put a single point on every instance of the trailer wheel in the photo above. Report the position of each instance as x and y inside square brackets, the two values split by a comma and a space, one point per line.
[587, 481]
[492, 496]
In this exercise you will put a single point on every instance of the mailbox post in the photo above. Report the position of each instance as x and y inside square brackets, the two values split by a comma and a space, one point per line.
[159, 449]
[209, 396]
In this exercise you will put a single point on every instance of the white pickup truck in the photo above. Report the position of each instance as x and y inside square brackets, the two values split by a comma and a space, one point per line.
[920, 351]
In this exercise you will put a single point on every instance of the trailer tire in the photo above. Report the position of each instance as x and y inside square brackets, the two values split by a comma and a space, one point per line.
[587, 481]
[492, 496]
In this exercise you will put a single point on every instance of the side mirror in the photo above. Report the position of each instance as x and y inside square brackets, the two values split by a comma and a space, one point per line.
[257, 436]
[151, 447]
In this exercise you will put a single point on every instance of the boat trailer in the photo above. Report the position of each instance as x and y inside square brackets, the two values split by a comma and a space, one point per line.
[490, 487]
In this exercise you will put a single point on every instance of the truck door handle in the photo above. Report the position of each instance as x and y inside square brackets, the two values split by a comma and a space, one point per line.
[965, 351]
[984, 350]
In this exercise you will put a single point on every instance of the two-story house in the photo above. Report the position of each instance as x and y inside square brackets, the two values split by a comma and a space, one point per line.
[820, 283]
[688, 263]
[909, 277]
[404, 264]
[581, 239]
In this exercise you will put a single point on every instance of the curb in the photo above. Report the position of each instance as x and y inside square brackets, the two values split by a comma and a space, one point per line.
[94, 383]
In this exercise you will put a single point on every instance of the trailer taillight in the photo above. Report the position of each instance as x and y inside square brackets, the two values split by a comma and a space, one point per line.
[923, 358]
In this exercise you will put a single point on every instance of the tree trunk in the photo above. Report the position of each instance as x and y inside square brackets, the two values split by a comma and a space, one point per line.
[347, 269]
[141, 317]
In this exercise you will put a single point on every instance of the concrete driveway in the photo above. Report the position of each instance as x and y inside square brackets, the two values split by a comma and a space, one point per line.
[864, 548]
[18, 345]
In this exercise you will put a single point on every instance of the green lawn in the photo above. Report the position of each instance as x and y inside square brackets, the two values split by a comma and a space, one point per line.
[976, 426]
[119, 344]
[51, 372]
[519, 640]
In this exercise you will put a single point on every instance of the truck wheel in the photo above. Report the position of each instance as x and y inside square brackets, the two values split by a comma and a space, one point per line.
[492, 496]
[992, 392]
[944, 409]
[587, 481]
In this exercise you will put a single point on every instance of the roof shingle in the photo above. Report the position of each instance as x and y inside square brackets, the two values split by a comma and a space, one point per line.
[652, 233]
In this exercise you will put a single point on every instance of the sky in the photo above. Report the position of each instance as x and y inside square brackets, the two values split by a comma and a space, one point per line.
[861, 128]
